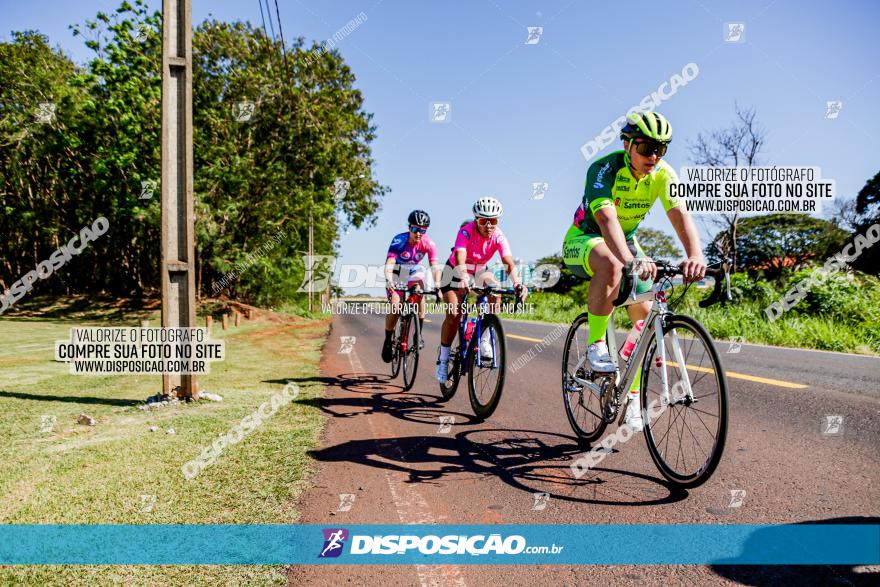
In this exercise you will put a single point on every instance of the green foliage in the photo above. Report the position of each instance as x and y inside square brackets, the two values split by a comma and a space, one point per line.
[773, 242]
[842, 297]
[658, 245]
[253, 179]
[868, 209]
[745, 288]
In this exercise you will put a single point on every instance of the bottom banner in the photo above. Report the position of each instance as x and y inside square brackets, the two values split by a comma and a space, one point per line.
[797, 544]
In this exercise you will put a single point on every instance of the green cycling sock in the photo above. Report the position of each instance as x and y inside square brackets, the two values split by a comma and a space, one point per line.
[598, 326]
[637, 382]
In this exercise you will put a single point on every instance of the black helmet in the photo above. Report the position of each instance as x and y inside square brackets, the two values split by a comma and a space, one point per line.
[419, 218]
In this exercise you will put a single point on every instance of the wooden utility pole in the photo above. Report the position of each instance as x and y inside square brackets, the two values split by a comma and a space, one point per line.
[178, 245]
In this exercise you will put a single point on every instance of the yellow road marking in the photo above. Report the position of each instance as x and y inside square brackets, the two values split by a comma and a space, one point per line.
[528, 338]
[731, 374]
[756, 379]
[429, 320]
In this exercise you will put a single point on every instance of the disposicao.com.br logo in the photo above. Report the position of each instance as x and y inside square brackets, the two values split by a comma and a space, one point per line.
[452, 544]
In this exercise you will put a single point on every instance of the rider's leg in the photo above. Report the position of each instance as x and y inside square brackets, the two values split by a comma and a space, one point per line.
[391, 318]
[606, 270]
[450, 321]
[639, 311]
[390, 323]
[447, 332]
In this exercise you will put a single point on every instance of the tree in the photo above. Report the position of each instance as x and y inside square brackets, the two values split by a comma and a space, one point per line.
[254, 179]
[657, 244]
[41, 169]
[740, 144]
[845, 214]
[775, 242]
[868, 209]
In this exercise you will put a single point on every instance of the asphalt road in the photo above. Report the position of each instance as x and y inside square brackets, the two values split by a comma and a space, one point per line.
[388, 449]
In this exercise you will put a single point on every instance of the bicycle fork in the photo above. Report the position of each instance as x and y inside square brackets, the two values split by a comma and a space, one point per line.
[684, 379]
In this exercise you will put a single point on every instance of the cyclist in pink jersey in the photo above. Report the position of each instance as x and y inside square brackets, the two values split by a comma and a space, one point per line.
[475, 245]
[406, 251]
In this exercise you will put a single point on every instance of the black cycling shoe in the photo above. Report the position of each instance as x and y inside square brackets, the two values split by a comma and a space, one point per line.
[387, 350]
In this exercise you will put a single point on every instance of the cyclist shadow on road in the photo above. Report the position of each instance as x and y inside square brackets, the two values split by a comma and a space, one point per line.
[528, 460]
[374, 397]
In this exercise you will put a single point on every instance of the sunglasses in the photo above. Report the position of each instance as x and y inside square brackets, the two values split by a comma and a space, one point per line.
[648, 148]
[418, 229]
[485, 221]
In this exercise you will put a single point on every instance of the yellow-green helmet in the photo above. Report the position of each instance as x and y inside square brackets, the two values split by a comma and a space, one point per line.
[649, 125]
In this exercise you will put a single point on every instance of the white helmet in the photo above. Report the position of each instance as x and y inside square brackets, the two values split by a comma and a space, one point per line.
[488, 208]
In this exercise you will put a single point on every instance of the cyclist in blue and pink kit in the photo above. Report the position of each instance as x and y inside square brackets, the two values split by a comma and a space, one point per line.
[406, 252]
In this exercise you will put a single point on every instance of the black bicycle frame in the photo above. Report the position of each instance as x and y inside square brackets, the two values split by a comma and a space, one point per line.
[482, 301]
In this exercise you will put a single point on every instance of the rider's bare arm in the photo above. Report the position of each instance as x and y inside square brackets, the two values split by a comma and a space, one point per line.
[389, 271]
[694, 267]
[461, 265]
[437, 272]
[510, 265]
[612, 233]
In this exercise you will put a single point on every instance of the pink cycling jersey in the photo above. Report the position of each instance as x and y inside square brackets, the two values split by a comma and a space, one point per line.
[410, 257]
[479, 249]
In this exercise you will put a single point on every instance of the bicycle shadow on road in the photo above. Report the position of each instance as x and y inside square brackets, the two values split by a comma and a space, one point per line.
[375, 398]
[526, 462]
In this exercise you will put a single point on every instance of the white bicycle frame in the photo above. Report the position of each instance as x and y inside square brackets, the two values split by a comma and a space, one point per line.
[652, 327]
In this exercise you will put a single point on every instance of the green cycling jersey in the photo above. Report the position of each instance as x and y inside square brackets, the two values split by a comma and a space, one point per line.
[611, 183]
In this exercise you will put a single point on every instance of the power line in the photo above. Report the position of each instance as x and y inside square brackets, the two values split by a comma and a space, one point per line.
[283, 50]
[263, 18]
[269, 12]
[280, 32]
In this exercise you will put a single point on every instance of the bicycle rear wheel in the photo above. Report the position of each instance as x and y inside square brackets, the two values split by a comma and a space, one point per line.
[582, 406]
[412, 335]
[486, 373]
[685, 437]
[395, 345]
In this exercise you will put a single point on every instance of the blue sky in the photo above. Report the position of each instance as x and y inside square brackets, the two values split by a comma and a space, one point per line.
[520, 112]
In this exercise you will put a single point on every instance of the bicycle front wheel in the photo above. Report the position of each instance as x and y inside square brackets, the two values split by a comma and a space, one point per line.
[686, 425]
[487, 356]
[582, 406]
[411, 356]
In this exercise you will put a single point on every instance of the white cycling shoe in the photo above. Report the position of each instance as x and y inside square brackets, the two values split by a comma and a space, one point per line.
[600, 360]
[486, 348]
[633, 417]
[442, 371]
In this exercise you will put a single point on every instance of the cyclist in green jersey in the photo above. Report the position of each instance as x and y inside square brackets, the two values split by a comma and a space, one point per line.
[620, 190]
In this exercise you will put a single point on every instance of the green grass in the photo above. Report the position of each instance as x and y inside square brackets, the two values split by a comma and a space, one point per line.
[90, 475]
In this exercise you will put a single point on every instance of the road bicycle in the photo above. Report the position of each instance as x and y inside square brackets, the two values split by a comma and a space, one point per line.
[683, 389]
[407, 339]
[485, 373]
